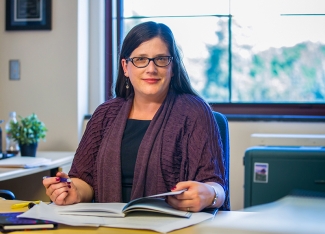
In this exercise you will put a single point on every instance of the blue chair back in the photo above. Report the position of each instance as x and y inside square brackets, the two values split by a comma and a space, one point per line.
[6, 194]
[224, 133]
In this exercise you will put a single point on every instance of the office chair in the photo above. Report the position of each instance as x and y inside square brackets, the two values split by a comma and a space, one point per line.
[224, 133]
[6, 194]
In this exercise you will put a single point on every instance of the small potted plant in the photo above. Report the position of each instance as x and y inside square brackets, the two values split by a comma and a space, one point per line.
[27, 132]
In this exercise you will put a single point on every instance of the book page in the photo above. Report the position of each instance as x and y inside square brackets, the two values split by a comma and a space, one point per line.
[28, 226]
[138, 200]
[168, 193]
[155, 205]
[92, 209]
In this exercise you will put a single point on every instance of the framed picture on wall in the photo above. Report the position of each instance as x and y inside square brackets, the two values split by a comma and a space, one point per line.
[28, 15]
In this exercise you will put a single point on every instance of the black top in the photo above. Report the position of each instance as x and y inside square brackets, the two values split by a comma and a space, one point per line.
[132, 137]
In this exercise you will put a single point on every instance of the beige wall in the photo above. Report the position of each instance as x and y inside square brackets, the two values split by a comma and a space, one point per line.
[54, 85]
[49, 83]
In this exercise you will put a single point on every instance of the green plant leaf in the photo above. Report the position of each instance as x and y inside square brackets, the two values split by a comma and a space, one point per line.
[27, 130]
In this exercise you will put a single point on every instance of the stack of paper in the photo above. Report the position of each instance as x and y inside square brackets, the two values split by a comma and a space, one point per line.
[24, 162]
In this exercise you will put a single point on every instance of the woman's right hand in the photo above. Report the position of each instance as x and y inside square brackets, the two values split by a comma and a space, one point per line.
[61, 193]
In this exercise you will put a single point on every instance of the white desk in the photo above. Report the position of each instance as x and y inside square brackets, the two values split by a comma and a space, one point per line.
[290, 214]
[59, 158]
[26, 184]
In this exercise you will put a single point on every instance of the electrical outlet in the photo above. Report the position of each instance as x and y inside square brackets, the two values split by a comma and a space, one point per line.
[14, 70]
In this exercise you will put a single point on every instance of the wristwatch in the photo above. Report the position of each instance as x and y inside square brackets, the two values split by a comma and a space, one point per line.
[215, 199]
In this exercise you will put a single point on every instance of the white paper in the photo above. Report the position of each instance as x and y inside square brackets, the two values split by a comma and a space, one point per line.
[157, 222]
[24, 162]
[46, 212]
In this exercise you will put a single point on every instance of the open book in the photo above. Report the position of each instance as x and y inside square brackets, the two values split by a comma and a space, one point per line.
[151, 204]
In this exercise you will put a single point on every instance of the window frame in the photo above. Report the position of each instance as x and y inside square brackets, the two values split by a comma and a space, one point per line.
[311, 112]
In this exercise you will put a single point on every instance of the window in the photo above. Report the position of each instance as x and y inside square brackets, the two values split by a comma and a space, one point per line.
[261, 57]
[278, 52]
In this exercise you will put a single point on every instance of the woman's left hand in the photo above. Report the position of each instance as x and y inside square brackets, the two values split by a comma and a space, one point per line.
[197, 197]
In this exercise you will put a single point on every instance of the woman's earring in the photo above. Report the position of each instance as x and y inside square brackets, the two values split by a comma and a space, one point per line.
[127, 83]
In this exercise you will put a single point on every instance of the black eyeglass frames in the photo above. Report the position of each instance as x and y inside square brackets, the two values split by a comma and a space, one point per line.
[141, 62]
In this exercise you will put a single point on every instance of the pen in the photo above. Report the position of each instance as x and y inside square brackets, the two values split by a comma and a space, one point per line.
[23, 204]
[61, 179]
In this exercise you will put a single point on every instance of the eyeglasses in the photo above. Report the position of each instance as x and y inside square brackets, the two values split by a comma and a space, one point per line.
[160, 61]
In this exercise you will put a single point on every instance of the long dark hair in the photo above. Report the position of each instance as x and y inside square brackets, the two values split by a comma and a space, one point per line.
[180, 82]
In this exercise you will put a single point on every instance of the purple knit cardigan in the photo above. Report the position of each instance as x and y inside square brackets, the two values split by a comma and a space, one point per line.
[182, 143]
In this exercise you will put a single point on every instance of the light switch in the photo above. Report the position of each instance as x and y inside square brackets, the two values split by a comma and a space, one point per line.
[14, 70]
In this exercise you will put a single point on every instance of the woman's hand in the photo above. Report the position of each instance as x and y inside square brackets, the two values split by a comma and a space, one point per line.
[66, 193]
[197, 197]
[61, 193]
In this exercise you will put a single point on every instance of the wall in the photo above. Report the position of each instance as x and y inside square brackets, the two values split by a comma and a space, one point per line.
[53, 67]
[54, 85]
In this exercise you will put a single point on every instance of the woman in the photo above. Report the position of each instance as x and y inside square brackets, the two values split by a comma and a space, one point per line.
[156, 135]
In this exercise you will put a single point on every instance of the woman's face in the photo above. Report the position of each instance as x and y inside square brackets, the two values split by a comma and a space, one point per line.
[150, 82]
